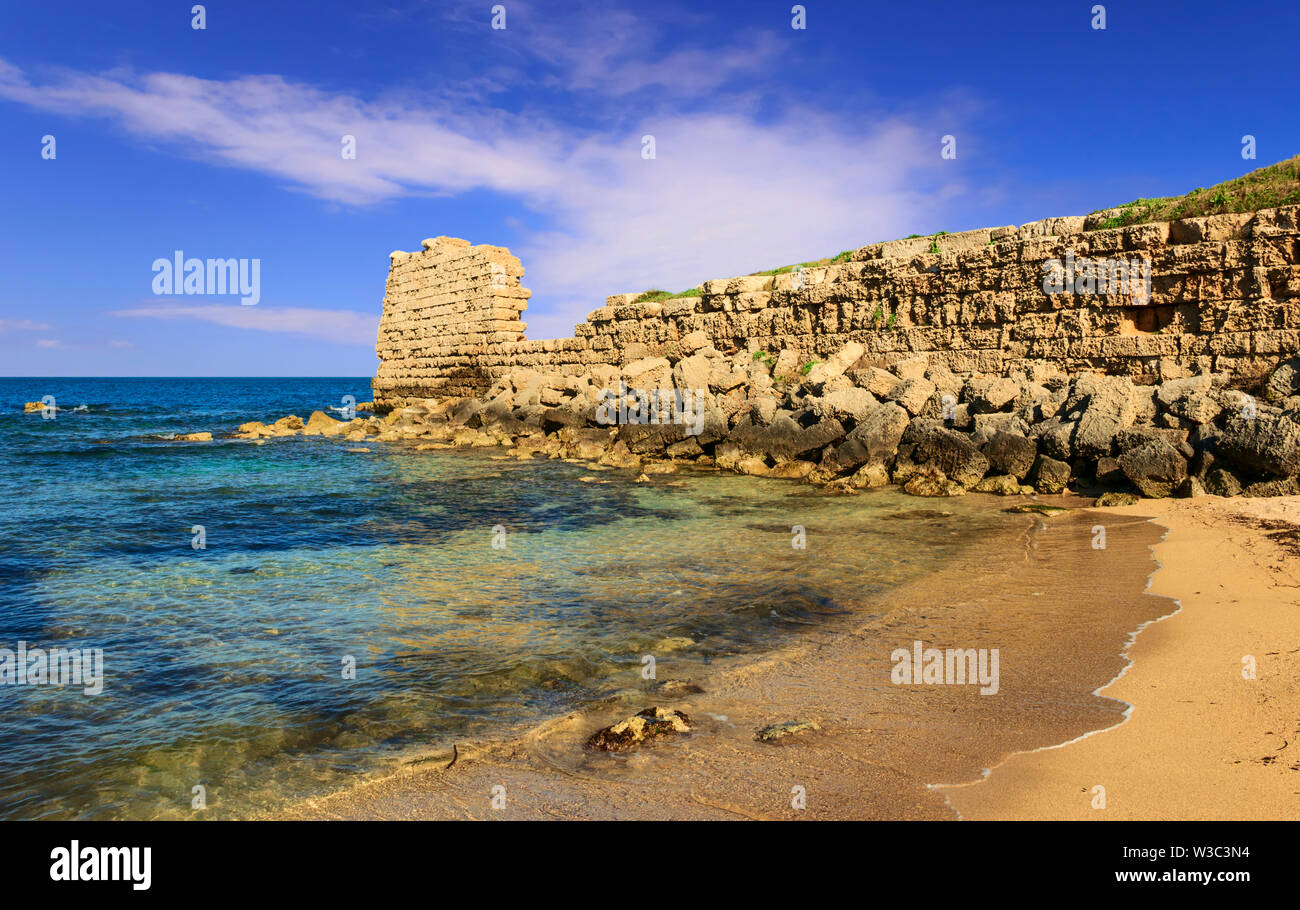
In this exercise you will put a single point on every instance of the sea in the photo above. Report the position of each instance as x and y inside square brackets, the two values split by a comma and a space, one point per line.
[279, 621]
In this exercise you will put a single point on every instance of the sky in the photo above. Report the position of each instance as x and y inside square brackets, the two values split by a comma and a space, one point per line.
[771, 145]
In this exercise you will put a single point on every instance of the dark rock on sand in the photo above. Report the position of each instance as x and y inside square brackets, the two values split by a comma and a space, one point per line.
[651, 723]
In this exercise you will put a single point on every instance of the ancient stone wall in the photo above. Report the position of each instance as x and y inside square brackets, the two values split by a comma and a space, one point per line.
[1224, 298]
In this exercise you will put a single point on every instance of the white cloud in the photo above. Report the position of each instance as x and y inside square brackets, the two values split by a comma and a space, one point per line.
[336, 326]
[48, 343]
[23, 325]
[729, 192]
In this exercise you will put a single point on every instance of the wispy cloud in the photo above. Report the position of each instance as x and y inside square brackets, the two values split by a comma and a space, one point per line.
[23, 325]
[728, 191]
[336, 326]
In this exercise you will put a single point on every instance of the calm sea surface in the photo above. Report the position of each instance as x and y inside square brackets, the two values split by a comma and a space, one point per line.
[225, 667]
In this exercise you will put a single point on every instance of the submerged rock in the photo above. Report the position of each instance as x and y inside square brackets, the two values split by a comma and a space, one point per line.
[651, 723]
[774, 732]
[1113, 498]
[1037, 508]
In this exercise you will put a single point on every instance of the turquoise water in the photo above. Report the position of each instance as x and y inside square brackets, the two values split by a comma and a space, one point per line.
[224, 667]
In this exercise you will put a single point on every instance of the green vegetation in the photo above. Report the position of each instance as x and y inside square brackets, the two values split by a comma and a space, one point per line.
[1268, 187]
[843, 256]
[767, 358]
[807, 367]
[658, 295]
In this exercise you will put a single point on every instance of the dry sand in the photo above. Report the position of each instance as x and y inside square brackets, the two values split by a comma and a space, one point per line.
[1201, 742]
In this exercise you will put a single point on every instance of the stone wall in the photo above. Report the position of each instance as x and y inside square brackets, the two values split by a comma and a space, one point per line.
[1225, 298]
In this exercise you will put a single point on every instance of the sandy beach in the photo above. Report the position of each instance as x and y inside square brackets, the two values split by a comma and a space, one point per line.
[1201, 741]
[1059, 611]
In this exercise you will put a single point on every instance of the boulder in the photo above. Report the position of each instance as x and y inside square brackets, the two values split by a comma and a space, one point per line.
[928, 480]
[1268, 444]
[1284, 382]
[999, 484]
[840, 361]
[912, 394]
[987, 394]
[1050, 475]
[784, 439]
[1156, 468]
[875, 439]
[954, 454]
[1221, 482]
[1010, 453]
[847, 404]
[1108, 406]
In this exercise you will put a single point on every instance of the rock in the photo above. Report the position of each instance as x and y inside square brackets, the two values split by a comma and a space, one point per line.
[1054, 437]
[1109, 473]
[953, 454]
[761, 411]
[1287, 486]
[652, 723]
[774, 732]
[676, 688]
[784, 439]
[1114, 498]
[693, 341]
[875, 438]
[1037, 508]
[847, 404]
[870, 476]
[911, 367]
[1268, 444]
[999, 484]
[1284, 381]
[821, 373]
[194, 437]
[928, 480]
[1010, 453]
[987, 394]
[1221, 482]
[912, 394]
[1190, 488]
[1190, 399]
[792, 470]
[1050, 475]
[1155, 468]
[1108, 406]
[321, 424]
[875, 380]
[692, 373]
[723, 377]
[33, 407]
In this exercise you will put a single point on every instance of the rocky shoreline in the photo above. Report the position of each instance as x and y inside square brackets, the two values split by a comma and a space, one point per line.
[849, 423]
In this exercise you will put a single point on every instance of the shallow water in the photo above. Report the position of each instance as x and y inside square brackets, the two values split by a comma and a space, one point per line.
[224, 667]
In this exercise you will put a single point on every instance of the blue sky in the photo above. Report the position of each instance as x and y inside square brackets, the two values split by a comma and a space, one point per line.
[772, 145]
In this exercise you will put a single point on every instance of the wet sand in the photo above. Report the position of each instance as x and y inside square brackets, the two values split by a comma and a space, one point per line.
[1202, 742]
[1059, 611]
